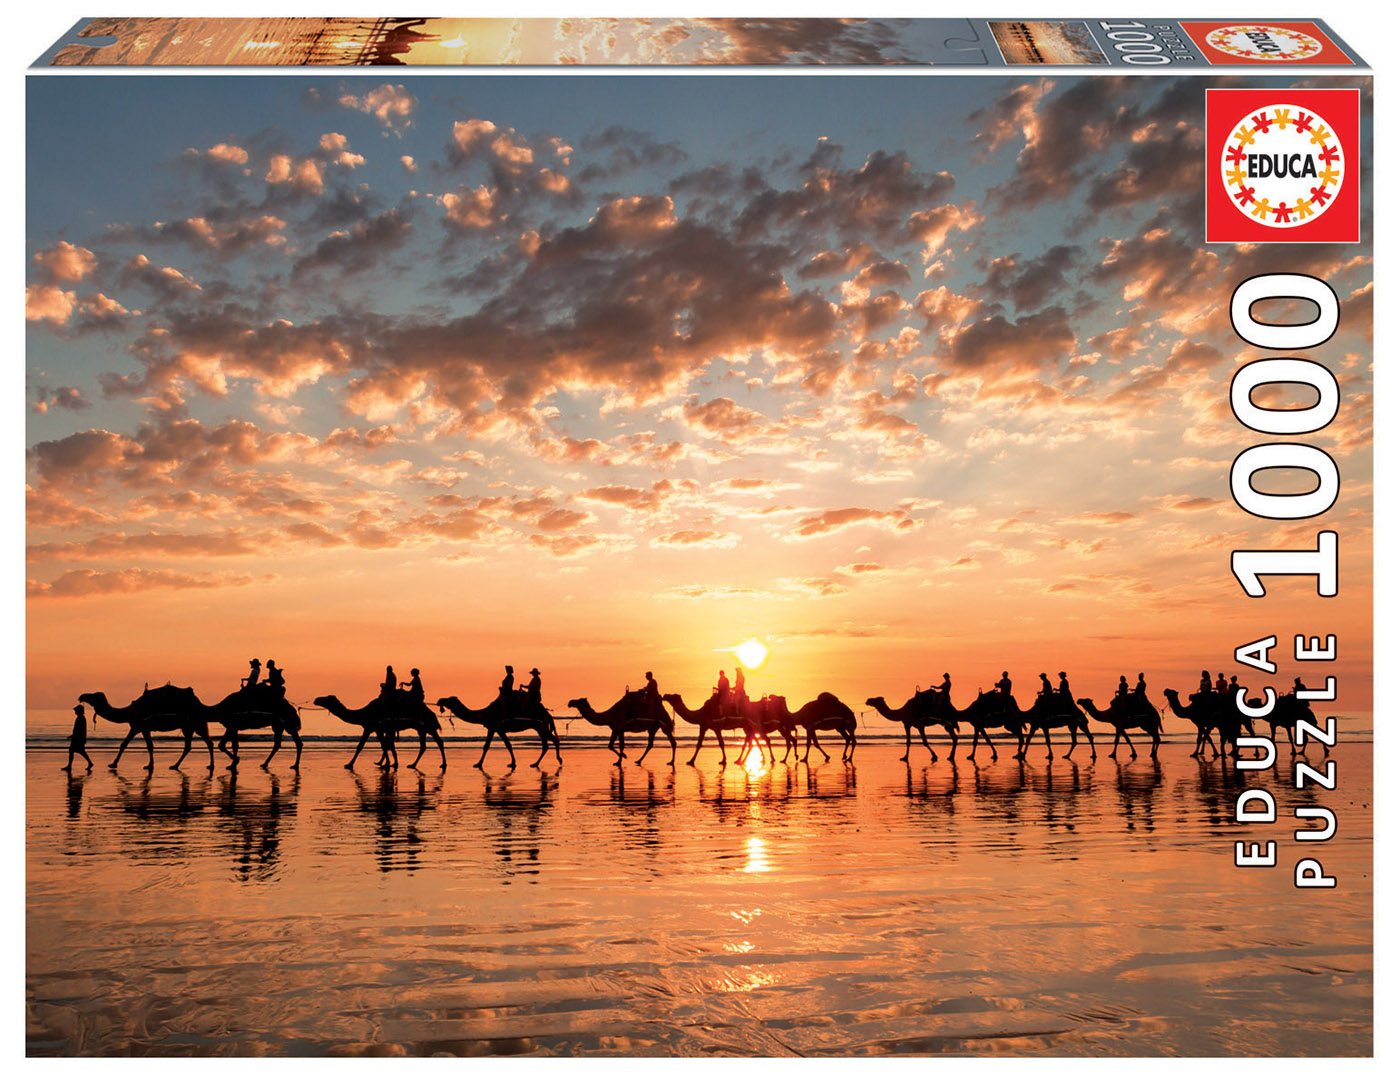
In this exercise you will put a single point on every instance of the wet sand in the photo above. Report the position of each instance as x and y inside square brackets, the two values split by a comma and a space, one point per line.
[1065, 909]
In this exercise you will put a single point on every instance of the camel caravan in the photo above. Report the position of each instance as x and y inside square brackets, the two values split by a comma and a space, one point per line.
[401, 708]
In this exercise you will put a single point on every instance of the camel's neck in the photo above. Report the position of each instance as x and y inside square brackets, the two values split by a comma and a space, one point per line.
[103, 707]
[684, 712]
[889, 713]
[1099, 714]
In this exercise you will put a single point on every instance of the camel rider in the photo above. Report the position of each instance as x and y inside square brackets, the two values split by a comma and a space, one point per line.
[274, 679]
[942, 692]
[414, 685]
[390, 685]
[1046, 689]
[722, 689]
[1234, 685]
[1140, 689]
[1298, 686]
[1122, 692]
[1205, 681]
[1220, 685]
[651, 694]
[532, 688]
[1064, 685]
[739, 695]
[507, 685]
[1004, 685]
[253, 674]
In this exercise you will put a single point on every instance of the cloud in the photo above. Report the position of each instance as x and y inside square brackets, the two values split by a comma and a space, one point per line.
[840, 519]
[48, 303]
[82, 582]
[61, 398]
[696, 539]
[391, 103]
[363, 247]
[65, 262]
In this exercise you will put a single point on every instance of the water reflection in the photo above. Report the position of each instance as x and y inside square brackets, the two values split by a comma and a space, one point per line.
[805, 908]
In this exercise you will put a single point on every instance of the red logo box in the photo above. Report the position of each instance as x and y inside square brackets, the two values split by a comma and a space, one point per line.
[1283, 166]
[1269, 43]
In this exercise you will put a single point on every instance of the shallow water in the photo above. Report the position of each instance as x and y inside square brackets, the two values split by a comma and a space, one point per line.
[1070, 909]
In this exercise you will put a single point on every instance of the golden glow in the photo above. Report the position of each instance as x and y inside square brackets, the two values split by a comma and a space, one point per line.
[751, 653]
[758, 856]
[755, 763]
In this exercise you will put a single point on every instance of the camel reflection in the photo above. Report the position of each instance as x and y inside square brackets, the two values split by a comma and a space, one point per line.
[251, 820]
[521, 808]
[397, 804]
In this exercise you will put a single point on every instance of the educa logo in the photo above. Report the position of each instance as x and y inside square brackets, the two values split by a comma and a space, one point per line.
[1281, 166]
[1271, 43]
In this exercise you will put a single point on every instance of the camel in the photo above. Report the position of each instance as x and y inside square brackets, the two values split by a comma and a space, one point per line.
[1131, 712]
[990, 711]
[167, 708]
[919, 711]
[506, 719]
[1210, 711]
[633, 714]
[771, 719]
[386, 720]
[1288, 711]
[1050, 711]
[252, 708]
[826, 712]
[718, 717]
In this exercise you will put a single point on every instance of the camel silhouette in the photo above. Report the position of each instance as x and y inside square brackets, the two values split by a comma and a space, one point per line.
[635, 713]
[253, 707]
[993, 711]
[1289, 709]
[1131, 712]
[1210, 711]
[716, 715]
[161, 710]
[920, 711]
[771, 720]
[508, 717]
[385, 719]
[1049, 712]
[826, 712]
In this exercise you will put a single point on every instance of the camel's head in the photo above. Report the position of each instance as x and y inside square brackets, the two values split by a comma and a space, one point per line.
[579, 703]
[874, 701]
[326, 701]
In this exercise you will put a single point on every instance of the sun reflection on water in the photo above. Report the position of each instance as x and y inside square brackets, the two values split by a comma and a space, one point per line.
[758, 857]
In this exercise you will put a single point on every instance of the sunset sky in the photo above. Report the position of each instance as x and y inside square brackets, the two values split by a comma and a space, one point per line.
[604, 374]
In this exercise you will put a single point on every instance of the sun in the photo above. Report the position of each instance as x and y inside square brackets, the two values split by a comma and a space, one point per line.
[751, 653]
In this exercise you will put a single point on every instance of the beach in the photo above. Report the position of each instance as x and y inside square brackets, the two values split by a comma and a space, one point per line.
[1051, 908]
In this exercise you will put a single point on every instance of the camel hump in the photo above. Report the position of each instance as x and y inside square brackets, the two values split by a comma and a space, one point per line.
[166, 697]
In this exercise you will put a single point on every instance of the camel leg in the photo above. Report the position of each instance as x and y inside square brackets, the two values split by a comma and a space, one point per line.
[698, 742]
[924, 738]
[651, 740]
[953, 752]
[1113, 753]
[719, 737]
[422, 748]
[809, 747]
[276, 745]
[189, 737]
[233, 751]
[768, 740]
[849, 753]
[1073, 740]
[1049, 750]
[364, 737]
[621, 746]
[544, 747]
[812, 737]
[975, 735]
[509, 749]
[905, 757]
[296, 739]
[122, 748]
[1129, 739]
[671, 737]
[1093, 753]
[489, 735]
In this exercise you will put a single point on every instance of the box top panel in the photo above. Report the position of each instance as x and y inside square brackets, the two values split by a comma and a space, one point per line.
[1145, 45]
